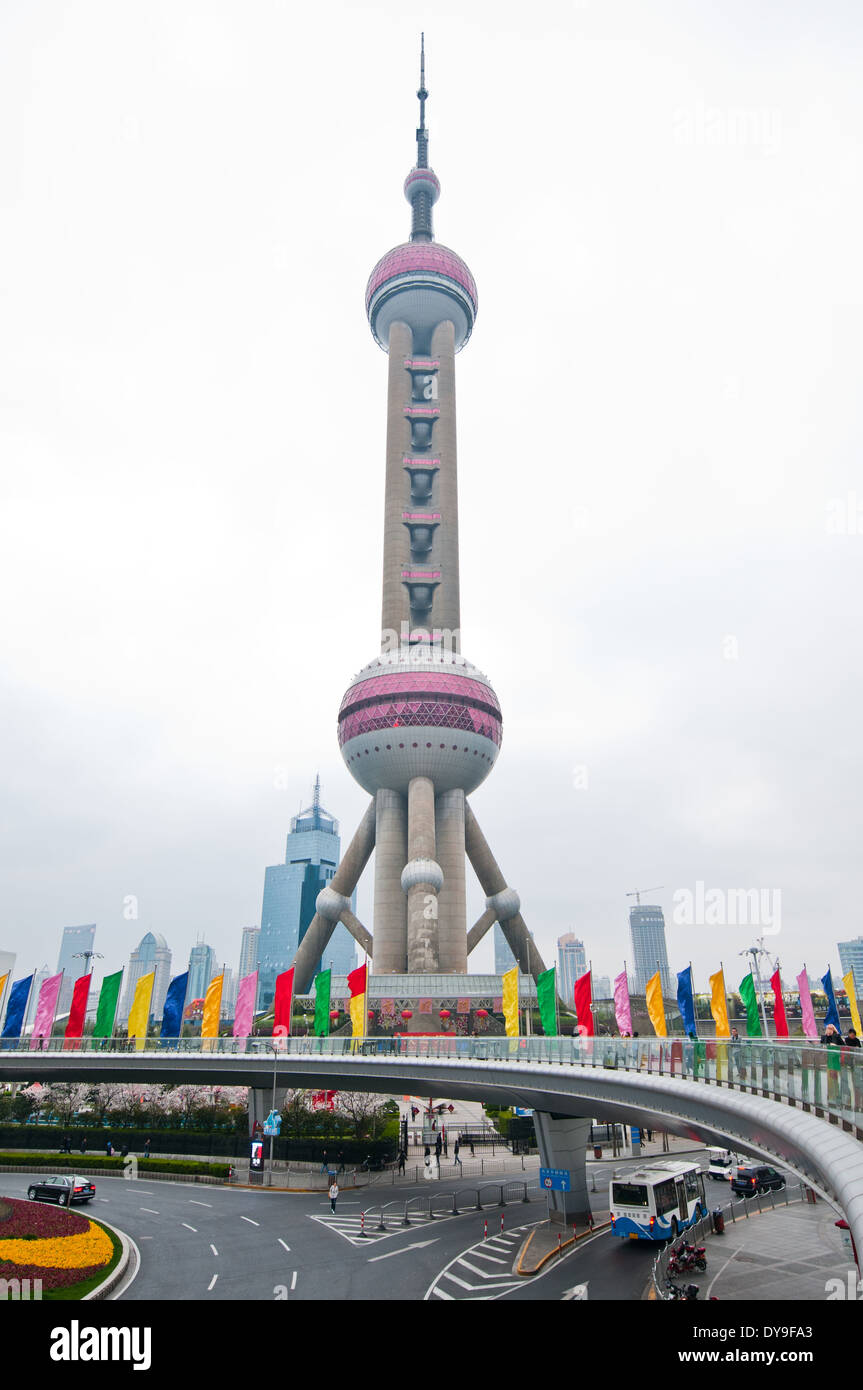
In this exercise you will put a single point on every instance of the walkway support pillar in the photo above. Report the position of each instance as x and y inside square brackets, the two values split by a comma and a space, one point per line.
[563, 1142]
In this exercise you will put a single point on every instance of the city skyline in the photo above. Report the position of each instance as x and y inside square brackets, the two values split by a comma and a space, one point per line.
[637, 645]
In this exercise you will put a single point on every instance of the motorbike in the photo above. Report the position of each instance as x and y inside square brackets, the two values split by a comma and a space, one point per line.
[686, 1293]
[685, 1257]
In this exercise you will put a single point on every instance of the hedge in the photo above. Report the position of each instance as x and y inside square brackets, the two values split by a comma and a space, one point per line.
[96, 1164]
[189, 1141]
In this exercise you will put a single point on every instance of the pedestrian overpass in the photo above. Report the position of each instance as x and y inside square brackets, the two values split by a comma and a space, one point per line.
[782, 1101]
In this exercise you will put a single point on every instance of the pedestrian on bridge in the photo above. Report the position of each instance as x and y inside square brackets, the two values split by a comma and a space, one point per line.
[334, 1194]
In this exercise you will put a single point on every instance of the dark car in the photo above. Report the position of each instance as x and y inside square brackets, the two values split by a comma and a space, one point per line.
[64, 1190]
[748, 1182]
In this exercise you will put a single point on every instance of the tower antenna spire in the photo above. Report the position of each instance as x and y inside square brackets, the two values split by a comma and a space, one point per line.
[422, 133]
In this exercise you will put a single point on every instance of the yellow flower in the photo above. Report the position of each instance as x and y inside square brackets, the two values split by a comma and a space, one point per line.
[92, 1247]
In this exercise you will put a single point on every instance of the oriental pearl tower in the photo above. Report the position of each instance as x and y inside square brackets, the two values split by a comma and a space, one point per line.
[419, 727]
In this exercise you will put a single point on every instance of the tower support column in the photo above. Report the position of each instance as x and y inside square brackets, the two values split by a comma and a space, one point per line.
[500, 899]
[422, 879]
[562, 1141]
[452, 907]
[333, 900]
[390, 941]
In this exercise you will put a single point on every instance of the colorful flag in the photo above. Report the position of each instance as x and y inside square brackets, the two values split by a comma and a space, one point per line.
[622, 1006]
[719, 1004]
[810, 1027]
[245, 1010]
[139, 1015]
[686, 1001]
[832, 1015]
[583, 997]
[546, 994]
[848, 982]
[212, 1008]
[655, 1006]
[323, 1100]
[747, 994]
[18, 997]
[4, 980]
[509, 982]
[283, 1003]
[172, 1013]
[323, 981]
[78, 1010]
[357, 987]
[780, 1022]
[46, 1007]
[106, 1011]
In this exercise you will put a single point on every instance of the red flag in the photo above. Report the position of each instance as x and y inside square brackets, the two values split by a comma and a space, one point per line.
[357, 981]
[779, 1020]
[583, 1000]
[78, 1011]
[283, 1002]
[323, 1100]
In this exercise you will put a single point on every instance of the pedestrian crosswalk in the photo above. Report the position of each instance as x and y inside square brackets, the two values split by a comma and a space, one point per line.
[352, 1228]
[483, 1272]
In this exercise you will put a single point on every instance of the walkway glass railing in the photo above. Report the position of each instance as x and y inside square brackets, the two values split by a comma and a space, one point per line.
[823, 1080]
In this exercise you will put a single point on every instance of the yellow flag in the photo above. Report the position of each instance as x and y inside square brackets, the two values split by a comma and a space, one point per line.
[139, 1014]
[3, 979]
[719, 1004]
[358, 1016]
[510, 1001]
[212, 1008]
[847, 980]
[655, 1006]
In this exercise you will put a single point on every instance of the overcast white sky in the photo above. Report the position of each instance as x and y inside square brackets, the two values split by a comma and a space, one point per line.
[659, 449]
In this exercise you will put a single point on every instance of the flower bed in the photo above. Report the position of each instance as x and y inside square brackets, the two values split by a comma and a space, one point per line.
[68, 1253]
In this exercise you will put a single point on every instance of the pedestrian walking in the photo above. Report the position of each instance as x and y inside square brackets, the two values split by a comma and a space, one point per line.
[84, 1144]
[324, 1161]
[109, 1149]
[438, 1145]
[470, 1146]
[455, 1148]
[146, 1148]
[334, 1194]
[341, 1167]
[402, 1160]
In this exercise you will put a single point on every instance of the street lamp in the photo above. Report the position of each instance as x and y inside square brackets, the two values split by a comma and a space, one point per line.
[756, 951]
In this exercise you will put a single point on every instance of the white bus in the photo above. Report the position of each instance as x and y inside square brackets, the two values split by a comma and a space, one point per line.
[657, 1201]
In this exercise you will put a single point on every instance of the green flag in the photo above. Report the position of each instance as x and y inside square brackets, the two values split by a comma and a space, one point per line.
[546, 994]
[107, 1010]
[747, 994]
[322, 1003]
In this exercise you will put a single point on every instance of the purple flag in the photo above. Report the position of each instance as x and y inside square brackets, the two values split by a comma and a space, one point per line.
[45, 1010]
[810, 1027]
[622, 1011]
[245, 1005]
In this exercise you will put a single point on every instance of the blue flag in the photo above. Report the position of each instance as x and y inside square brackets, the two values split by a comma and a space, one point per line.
[685, 1001]
[172, 1014]
[18, 996]
[832, 1011]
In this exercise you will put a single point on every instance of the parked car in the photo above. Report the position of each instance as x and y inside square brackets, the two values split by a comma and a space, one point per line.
[748, 1182]
[64, 1190]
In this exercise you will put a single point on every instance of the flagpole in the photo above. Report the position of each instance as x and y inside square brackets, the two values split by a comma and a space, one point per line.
[724, 991]
[556, 1005]
[3, 996]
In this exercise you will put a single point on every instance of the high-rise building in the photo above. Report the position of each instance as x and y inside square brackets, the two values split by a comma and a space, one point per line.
[39, 978]
[649, 954]
[75, 959]
[151, 956]
[851, 958]
[503, 957]
[419, 727]
[572, 964]
[229, 994]
[249, 951]
[290, 892]
[202, 968]
[602, 987]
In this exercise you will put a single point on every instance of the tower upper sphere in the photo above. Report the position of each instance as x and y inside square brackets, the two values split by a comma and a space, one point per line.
[421, 283]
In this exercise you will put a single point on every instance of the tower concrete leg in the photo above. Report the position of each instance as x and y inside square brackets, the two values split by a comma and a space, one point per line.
[391, 851]
[333, 901]
[563, 1142]
[503, 901]
[422, 879]
[452, 907]
[479, 928]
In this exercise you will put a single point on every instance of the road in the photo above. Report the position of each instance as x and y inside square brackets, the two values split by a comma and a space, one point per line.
[201, 1242]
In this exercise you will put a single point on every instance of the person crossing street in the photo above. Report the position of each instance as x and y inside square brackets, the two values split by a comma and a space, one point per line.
[334, 1193]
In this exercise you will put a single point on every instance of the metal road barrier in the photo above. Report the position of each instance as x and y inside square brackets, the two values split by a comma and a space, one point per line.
[425, 1208]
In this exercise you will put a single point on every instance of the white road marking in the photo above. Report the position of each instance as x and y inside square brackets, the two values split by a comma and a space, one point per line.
[250, 1221]
[475, 1269]
[418, 1245]
[101, 1199]
[188, 1227]
[456, 1280]
[284, 1247]
[193, 1203]
[481, 1255]
[214, 1250]
[150, 1210]
[440, 1294]
[293, 1281]
[145, 1237]
[212, 1282]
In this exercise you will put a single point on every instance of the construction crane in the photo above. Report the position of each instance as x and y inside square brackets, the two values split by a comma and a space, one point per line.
[638, 892]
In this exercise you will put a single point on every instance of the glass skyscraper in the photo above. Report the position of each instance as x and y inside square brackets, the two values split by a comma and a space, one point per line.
[571, 964]
[503, 957]
[311, 858]
[152, 956]
[202, 968]
[649, 954]
[851, 958]
[249, 951]
[76, 940]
